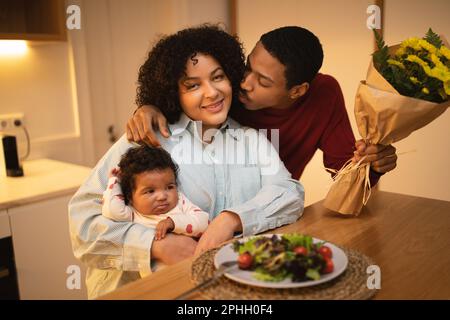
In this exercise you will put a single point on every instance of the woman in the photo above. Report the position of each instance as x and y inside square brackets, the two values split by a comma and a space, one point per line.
[232, 173]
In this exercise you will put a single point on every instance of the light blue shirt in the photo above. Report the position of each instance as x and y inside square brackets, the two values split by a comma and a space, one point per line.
[238, 171]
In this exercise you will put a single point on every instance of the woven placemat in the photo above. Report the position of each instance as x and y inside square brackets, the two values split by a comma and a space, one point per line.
[351, 284]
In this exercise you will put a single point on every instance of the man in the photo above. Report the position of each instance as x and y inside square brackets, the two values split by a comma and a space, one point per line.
[283, 90]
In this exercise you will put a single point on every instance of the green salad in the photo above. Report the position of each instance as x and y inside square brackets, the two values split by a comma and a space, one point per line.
[276, 258]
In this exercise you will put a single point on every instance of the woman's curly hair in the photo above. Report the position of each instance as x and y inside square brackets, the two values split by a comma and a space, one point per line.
[141, 159]
[166, 63]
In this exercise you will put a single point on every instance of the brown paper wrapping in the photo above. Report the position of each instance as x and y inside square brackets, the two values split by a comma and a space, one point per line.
[383, 116]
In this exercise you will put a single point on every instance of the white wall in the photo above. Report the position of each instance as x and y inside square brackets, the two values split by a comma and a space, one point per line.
[347, 43]
[39, 84]
[423, 172]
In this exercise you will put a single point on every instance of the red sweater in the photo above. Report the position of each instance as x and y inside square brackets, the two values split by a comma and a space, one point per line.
[318, 120]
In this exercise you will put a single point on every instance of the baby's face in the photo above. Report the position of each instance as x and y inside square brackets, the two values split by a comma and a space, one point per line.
[155, 192]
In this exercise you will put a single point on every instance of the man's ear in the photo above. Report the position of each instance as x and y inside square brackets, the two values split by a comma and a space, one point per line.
[299, 90]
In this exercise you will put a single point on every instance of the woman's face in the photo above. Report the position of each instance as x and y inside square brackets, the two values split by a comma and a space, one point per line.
[205, 91]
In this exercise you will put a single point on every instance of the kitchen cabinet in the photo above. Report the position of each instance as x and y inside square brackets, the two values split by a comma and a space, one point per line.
[32, 20]
[8, 276]
[42, 249]
[5, 229]
[36, 209]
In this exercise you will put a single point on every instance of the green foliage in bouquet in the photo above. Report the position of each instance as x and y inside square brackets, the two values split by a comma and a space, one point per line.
[419, 68]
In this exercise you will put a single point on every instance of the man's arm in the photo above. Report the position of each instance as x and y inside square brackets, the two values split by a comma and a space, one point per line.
[338, 144]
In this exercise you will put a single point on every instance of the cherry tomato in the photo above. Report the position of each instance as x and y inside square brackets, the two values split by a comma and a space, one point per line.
[325, 252]
[329, 266]
[245, 261]
[301, 251]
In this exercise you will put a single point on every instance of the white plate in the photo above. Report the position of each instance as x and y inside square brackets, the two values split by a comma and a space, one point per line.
[226, 253]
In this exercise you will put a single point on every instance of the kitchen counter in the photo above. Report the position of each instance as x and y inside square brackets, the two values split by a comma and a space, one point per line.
[33, 213]
[43, 179]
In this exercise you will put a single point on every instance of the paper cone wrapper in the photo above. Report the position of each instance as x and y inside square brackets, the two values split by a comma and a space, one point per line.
[383, 116]
[349, 192]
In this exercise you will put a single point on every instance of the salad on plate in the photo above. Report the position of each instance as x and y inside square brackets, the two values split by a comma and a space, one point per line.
[289, 256]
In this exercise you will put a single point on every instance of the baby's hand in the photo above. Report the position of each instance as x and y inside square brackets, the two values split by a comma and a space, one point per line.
[163, 227]
[114, 172]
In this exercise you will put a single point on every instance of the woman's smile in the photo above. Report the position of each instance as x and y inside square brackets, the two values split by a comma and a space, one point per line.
[214, 107]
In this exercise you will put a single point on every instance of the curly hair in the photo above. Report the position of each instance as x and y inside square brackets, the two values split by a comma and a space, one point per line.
[141, 159]
[298, 49]
[166, 63]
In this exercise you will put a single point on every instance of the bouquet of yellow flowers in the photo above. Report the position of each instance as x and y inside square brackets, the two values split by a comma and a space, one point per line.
[407, 86]
[419, 68]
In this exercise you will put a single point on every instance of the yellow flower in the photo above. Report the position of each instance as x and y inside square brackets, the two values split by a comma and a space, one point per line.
[425, 90]
[423, 64]
[400, 51]
[414, 80]
[416, 59]
[437, 62]
[439, 73]
[396, 63]
[447, 87]
[412, 43]
[445, 51]
[428, 46]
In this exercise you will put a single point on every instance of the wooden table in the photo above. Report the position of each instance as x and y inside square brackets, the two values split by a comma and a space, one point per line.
[407, 237]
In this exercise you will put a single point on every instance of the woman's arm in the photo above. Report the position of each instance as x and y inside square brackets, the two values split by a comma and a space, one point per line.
[104, 244]
[98, 241]
[280, 200]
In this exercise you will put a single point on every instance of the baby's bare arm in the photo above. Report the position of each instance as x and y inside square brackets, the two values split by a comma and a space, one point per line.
[164, 227]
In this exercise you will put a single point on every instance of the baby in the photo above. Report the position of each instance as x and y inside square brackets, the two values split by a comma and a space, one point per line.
[144, 190]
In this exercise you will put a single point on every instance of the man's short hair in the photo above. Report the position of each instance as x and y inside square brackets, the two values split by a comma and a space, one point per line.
[298, 49]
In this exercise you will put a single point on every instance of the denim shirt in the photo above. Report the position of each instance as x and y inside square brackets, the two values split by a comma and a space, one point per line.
[238, 171]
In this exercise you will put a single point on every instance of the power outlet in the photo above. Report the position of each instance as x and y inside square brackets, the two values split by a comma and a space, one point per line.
[11, 121]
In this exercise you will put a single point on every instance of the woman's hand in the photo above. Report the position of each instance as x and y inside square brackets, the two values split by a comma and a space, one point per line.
[221, 229]
[142, 125]
[173, 248]
[382, 158]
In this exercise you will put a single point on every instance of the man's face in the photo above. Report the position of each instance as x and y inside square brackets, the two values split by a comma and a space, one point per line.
[264, 83]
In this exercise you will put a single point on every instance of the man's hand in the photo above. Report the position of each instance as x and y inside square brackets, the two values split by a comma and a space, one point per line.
[163, 227]
[221, 229]
[142, 125]
[382, 158]
[173, 248]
